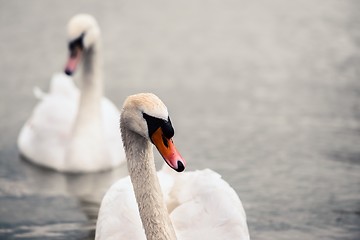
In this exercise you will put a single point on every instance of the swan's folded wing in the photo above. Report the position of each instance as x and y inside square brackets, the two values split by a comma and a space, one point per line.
[207, 206]
[62, 84]
[166, 180]
[50, 124]
[119, 215]
[45, 134]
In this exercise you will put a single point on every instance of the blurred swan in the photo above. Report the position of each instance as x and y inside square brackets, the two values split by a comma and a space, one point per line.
[167, 204]
[70, 131]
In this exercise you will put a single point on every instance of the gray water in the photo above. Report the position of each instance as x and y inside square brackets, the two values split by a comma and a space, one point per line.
[267, 93]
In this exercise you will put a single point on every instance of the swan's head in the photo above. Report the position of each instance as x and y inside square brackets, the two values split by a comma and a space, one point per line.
[146, 115]
[83, 34]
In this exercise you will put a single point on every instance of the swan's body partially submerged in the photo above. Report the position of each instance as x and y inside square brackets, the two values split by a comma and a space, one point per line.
[69, 130]
[166, 204]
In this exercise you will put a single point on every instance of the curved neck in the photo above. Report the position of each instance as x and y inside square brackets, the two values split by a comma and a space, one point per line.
[92, 69]
[91, 82]
[89, 112]
[87, 141]
[151, 204]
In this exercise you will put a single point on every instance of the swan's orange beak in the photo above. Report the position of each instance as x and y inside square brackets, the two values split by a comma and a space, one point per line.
[73, 61]
[168, 150]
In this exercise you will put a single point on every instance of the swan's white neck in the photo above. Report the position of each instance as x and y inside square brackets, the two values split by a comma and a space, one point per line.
[87, 146]
[151, 204]
[91, 82]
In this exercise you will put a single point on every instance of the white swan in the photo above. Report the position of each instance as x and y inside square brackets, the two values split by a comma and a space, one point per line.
[190, 205]
[71, 131]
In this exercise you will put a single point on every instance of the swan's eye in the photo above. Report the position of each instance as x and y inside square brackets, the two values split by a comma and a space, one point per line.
[154, 123]
[168, 129]
[76, 43]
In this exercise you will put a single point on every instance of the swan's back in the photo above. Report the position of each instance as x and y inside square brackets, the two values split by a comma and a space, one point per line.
[206, 206]
[44, 135]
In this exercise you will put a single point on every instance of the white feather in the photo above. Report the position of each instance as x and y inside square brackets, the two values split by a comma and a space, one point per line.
[45, 137]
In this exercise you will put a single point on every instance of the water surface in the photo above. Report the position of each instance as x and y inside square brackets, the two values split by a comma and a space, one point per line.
[265, 93]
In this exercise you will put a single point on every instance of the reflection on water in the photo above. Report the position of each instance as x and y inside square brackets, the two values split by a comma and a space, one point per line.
[41, 203]
[264, 92]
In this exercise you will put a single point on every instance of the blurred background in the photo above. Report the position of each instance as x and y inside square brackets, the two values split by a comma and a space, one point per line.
[266, 93]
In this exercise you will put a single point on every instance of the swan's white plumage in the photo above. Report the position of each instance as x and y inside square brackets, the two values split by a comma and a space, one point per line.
[207, 206]
[45, 137]
[120, 218]
[71, 131]
[200, 203]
